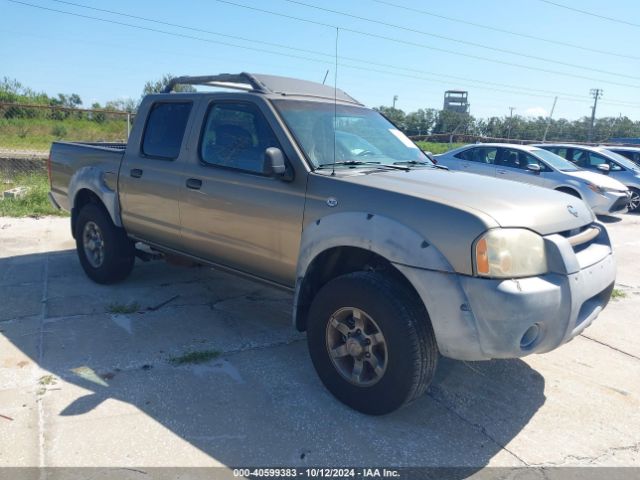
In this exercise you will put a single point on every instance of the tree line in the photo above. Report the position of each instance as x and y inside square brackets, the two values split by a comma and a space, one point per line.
[14, 92]
[430, 121]
[422, 122]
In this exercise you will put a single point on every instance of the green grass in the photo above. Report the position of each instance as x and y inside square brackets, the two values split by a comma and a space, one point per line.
[123, 308]
[47, 380]
[437, 148]
[199, 356]
[38, 133]
[34, 204]
[617, 293]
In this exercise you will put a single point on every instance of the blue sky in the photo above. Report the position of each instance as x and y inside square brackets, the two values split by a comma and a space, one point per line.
[55, 52]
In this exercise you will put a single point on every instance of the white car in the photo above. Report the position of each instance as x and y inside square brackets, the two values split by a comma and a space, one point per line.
[528, 164]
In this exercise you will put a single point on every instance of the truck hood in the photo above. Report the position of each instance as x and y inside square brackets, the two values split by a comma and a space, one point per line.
[598, 179]
[510, 204]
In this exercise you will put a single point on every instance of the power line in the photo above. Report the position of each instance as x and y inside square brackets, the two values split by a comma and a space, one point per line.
[279, 45]
[592, 14]
[185, 27]
[155, 30]
[463, 42]
[508, 32]
[414, 44]
[518, 90]
[315, 52]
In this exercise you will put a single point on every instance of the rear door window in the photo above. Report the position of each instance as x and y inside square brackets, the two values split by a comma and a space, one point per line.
[165, 129]
[486, 155]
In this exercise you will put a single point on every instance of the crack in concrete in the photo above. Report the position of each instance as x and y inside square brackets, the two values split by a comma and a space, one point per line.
[43, 316]
[590, 460]
[478, 427]
[157, 361]
[610, 346]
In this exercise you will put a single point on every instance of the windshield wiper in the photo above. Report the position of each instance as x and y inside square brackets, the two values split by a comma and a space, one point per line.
[357, 163]
[414, 162]
[422, 164]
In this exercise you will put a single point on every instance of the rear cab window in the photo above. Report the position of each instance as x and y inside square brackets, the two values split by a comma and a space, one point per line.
[165, 128]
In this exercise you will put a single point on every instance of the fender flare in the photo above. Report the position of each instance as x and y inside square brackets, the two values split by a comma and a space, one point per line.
[381, 235]
[93, 179]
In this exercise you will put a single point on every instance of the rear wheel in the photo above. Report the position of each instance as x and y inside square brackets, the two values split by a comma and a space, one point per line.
[105, 252]
[634, 201]
[371, 342]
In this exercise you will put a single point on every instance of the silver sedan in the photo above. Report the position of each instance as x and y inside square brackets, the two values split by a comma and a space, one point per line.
[528, 164]
[600, 159]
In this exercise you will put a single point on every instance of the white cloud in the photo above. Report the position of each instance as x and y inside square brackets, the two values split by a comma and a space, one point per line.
[536, 112]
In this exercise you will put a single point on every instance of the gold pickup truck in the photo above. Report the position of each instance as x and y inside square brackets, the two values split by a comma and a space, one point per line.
[393, 260]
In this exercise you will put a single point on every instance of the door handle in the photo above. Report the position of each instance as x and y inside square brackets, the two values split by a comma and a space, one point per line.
[194, 183]
[135, 172]
[502, 172]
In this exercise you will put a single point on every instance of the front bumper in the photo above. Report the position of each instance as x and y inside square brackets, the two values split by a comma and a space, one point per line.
[610, 202]
[480, 319]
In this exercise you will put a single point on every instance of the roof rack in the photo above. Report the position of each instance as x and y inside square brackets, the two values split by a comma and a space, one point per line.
[236, 81]
[266, 84]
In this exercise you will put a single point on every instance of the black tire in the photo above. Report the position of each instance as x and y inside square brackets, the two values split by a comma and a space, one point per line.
[118, 253]
[409, 341]
[635, 197]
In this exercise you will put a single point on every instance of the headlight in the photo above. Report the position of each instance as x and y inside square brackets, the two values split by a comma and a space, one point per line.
[603, 190]
[596, 188]
[510, 253]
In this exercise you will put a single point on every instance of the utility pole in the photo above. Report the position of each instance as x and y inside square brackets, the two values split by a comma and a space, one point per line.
[395, 99]
[511, 109]
[596, 93]
[546, 130]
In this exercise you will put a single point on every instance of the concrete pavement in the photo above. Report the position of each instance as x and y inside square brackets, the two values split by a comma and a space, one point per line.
[87, 377]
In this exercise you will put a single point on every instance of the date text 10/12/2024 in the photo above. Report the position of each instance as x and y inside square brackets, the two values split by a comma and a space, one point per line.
[316, 472]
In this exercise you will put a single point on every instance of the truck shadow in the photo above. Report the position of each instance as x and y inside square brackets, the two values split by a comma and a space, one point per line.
[258, 403]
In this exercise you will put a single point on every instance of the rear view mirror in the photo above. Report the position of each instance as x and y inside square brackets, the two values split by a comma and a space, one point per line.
[533, 167]
[604, 167]
[274, 162]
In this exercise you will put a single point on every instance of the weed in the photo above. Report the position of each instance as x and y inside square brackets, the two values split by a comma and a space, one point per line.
[198, 356]
[47, 380]
[123, 307]
[59, 131]
[617, 293]
[35, 203]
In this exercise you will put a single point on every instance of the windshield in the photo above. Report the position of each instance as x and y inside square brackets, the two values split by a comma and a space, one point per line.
[624, 161]
[556, 161]
[361, 135]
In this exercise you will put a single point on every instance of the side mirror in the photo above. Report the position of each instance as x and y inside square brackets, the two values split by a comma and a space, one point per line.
[534, 167]
[604, 167]
[430, 156]
[274, 162]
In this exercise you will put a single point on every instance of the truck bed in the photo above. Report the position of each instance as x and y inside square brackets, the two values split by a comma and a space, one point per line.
[67, 158]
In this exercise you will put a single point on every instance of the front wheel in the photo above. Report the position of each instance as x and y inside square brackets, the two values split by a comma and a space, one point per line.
[634, 201]
[371, 342]
[105, 252]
